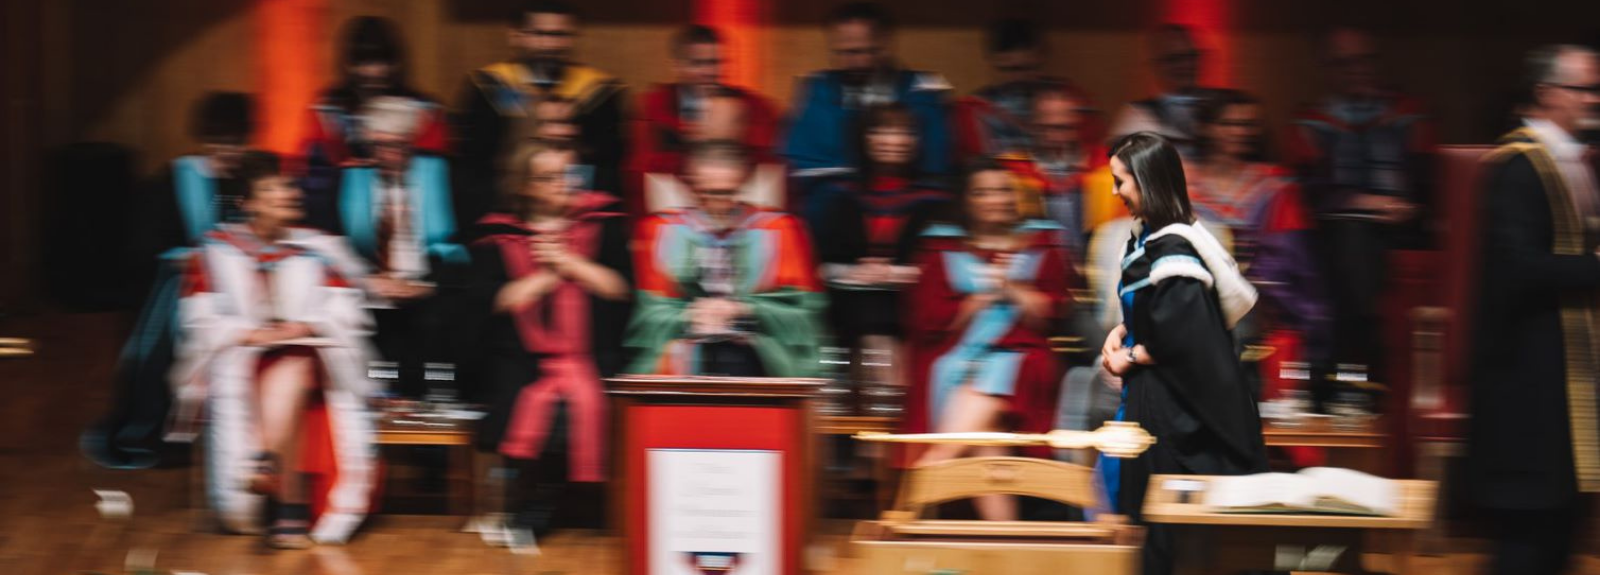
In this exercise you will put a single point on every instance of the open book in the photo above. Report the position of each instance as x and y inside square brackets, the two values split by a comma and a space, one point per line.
[1312, 490]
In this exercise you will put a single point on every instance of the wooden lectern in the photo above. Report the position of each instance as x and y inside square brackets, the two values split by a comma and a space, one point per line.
[715, 474]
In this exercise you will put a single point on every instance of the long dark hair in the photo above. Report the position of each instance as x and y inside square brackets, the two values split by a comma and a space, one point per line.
[372, 39]
[881, 115]
[1157, 170]
[254, 166]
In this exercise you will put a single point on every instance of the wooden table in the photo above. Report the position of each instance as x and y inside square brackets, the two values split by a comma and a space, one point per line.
[853, 424]
[456, 436]
[1210, 542]
[1361, 448]
[1322, 433]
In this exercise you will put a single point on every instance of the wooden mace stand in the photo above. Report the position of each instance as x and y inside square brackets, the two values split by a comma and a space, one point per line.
[902, 541]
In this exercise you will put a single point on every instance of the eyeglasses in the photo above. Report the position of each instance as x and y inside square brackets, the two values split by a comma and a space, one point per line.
[1354, 60]
[1591, 89]
[1018, 68]
[549, 33]
[1239, 124]
[400, 145]
[874, 51]
[1057, 127]
[1180, 57]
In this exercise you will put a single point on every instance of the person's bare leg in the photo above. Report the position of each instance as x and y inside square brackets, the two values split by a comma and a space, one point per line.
[284, 388]
[966, 410]
[995, 507]
[884, 359]
[283, 394]
[969, 410]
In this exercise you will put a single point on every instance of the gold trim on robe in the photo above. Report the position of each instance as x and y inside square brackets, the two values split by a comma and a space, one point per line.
[581, 84]
[1577, 319]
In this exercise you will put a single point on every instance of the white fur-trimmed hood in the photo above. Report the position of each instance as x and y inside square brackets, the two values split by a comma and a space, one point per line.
[1216, 269]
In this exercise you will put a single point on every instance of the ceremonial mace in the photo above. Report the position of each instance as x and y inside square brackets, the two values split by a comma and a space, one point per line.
[15, 347]
[1119, 439]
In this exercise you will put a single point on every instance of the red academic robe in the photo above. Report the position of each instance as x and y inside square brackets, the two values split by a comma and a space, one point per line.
[995, 350]
[561, 331]
[658, 138]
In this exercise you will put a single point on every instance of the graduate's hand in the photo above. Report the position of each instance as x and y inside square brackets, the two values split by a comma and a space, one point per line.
[1116, 363]
[418, 290]
[696, 317]
[552, 254]
[725, 311]
[904, 275]
[295, 330]
[713, 314]
[1114, 339]
[522, 292]
[386, 287]
[277, 332]
[995, 273]
[701, 319]
[261, 336]
[1113, 356]
[396, 289]
[978, 301]
[1029, 300]
[870, 271]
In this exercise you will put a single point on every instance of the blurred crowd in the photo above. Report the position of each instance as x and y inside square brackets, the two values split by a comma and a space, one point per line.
[553, 229]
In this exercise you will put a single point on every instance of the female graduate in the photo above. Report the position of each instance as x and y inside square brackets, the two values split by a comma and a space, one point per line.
[273, 352]
[1181, 295]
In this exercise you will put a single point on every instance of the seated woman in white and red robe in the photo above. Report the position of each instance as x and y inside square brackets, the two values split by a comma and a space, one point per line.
[272, 354]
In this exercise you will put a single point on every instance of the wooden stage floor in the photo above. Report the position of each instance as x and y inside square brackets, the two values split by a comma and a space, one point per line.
[48, 524]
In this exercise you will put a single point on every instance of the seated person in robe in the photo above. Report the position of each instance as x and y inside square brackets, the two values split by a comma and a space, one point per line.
[724, 287]
[273, 354]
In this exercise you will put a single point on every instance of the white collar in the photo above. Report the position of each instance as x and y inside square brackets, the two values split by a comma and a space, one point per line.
[1563, 146]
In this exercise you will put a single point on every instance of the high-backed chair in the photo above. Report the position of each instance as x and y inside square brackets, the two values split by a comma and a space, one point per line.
[1439, 395]
[1441, 335]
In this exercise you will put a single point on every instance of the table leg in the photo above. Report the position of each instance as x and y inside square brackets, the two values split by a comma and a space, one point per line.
[886, 474]
[1403, 547]
[460, 480]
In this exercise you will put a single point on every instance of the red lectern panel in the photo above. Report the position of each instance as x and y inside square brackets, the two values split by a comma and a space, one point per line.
[729, 460]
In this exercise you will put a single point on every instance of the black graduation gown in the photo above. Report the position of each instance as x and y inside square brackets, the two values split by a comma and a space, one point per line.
[502, 364]
[1535, 268]
[1195, 399]
[482, 143]
[842, 238]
